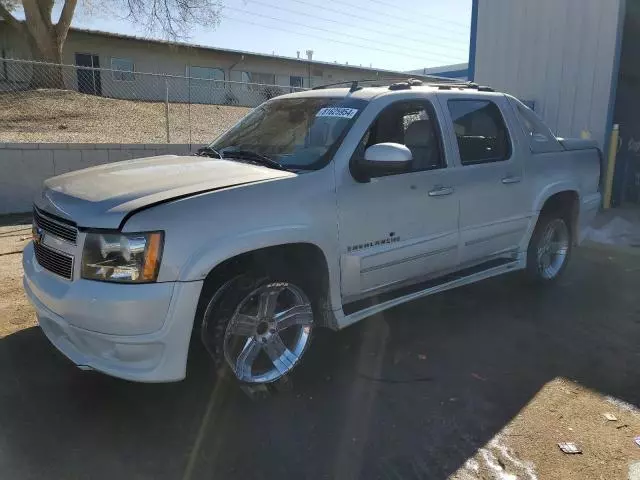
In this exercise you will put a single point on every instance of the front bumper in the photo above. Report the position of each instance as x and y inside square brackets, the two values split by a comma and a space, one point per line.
[153, 356]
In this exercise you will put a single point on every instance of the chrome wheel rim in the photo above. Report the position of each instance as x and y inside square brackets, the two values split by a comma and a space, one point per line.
[552, 249]
[268, 333]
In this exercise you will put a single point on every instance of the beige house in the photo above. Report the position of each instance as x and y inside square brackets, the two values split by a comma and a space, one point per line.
[132, 67]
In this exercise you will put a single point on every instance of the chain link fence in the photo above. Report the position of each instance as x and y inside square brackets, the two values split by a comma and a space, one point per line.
[50, 103]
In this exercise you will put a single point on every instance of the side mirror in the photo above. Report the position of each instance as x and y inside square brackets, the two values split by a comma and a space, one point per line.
[384, 159]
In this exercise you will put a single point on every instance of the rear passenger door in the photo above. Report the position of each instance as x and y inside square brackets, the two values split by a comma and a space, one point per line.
[493, 202]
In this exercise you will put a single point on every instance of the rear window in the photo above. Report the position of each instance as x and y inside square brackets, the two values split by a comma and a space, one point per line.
[480, 131]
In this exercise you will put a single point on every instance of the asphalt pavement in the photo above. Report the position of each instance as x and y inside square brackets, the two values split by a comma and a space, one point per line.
[411, 393]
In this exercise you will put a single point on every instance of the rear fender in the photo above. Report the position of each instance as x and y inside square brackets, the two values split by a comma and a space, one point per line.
[551, 189]
[545, 194]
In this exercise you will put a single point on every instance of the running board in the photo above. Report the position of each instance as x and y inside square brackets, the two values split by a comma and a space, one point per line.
[440, 287]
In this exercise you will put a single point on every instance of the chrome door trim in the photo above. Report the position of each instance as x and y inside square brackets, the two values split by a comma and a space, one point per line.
[491, 237]
[408, 259]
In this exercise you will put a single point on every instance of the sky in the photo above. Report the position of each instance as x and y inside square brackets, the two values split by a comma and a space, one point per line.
[387, 34]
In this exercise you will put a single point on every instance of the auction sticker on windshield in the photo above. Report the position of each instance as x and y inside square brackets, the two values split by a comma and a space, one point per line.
[337, 112]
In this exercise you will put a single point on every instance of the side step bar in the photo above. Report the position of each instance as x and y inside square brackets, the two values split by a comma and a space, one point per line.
[440, 287]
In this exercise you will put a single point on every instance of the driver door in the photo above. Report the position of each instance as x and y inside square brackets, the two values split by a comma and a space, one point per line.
[401, 227]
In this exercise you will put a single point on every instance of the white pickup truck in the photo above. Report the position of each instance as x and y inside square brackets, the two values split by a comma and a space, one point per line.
[317, 209]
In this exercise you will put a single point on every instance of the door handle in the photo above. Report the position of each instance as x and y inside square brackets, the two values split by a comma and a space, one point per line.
[508, 180]
[441, 191]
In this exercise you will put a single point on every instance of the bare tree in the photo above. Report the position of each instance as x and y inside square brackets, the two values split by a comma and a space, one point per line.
[45, 38]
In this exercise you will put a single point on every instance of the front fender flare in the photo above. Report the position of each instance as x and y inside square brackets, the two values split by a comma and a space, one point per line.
[209, 256]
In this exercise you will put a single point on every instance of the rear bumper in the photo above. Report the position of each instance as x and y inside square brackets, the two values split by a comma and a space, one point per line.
[159, 356]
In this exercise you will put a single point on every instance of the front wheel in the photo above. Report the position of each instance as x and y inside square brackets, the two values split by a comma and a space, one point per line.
[258, 328]
[549, 249]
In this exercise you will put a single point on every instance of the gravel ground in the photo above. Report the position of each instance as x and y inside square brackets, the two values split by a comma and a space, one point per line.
[61, 116]
[481, 382]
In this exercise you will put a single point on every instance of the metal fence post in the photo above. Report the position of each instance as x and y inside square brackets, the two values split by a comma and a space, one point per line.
[189, 92]
[166, 106]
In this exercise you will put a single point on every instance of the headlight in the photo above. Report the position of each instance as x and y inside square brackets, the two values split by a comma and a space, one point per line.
[122, 257]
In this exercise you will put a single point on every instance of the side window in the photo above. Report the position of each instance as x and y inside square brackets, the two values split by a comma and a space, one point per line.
[540, 138]
[409, 123]
[480, 130]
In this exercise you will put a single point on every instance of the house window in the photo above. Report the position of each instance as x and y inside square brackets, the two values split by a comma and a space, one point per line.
[263, 78]
[206, 73]
[123, 69]
[295, 83]
[4, 75]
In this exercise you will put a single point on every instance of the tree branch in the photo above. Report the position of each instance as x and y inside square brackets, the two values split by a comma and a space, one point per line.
[12, 21]
[46, 7]
[64, 22]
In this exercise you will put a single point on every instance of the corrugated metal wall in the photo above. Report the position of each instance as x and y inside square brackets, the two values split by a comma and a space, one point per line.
[557, 53]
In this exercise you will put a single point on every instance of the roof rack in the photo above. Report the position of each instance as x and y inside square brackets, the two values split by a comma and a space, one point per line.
[471, 85]
[387, 81]
[406, 84]
[354, 84]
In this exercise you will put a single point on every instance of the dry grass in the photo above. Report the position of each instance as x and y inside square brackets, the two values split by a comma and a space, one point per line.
[62, 116]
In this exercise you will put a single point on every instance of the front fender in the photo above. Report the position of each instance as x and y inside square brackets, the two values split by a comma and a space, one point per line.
[205, 259]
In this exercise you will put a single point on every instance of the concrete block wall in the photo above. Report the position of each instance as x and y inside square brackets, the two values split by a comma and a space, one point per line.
[24, 166]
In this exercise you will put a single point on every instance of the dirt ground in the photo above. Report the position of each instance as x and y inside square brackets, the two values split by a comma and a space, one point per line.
[481, 382]
[15, 311]
[62, 116]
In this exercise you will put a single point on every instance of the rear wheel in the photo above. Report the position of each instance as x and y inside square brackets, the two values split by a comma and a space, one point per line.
[549, 249]
[258, 328]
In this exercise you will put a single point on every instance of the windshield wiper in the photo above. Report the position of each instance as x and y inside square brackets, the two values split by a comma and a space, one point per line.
[253, 157]
[208, 152]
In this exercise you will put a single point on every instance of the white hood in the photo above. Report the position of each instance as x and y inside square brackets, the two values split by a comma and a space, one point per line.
[101, 197]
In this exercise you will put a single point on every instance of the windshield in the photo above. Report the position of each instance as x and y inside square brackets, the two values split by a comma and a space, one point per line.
[298, 133]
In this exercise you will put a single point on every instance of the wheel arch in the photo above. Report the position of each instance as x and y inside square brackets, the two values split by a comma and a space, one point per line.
[307, 258]
[567, 203]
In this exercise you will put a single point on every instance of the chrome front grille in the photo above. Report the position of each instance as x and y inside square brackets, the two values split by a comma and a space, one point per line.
[53, 260]
[57, 228]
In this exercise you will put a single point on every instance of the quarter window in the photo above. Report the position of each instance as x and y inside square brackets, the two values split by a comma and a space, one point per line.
[409, 123]
[480, 130]
[541, 140]
[123, 69]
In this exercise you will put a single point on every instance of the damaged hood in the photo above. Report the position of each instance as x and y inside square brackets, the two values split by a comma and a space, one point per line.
[101, 197]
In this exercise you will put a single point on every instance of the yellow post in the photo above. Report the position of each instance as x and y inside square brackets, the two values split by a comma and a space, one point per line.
[611, 166]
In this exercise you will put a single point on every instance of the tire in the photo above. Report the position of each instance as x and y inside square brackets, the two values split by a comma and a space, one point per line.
[257, 327]
[549, 249]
